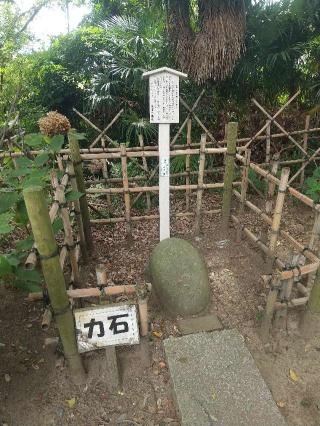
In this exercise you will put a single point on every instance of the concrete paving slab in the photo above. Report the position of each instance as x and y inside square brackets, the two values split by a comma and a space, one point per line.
[216, 382]
[198, 324]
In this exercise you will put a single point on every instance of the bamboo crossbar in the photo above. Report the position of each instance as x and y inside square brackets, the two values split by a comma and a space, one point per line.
[267, 175]
[150, 217]
[304, 250]
[285, 274]
[6, 154]
[142, 178]
[156, 188]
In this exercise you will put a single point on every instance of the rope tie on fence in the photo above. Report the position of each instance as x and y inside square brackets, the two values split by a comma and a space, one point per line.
[292, 268]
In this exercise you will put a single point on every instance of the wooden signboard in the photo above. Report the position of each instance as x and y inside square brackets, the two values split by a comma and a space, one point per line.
[164, 110]
[108, 325]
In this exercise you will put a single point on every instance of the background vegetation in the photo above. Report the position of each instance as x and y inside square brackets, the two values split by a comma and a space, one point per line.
[97, 68]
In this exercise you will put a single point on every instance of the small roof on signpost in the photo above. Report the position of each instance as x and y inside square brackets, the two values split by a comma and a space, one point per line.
[164, 69]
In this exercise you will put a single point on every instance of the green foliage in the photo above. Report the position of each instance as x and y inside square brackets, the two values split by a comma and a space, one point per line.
[312, 185]
[29, 170]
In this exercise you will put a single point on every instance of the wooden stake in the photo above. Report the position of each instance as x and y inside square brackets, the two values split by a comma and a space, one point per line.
[101, 274]
[202, 161]
[112, 368]
[78, 171]
[126, 188]
[43, 234]
[68, 234]
[189, 127]
[305, 146]
[145, 166]
[231, 136]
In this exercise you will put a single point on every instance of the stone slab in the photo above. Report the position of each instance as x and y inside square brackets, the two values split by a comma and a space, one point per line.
[216, 382]
[198, 324]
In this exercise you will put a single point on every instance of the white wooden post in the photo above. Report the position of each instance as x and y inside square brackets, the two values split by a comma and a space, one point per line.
[164, 180]
[164, 109]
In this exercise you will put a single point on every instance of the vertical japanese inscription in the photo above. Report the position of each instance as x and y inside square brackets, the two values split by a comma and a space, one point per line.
[164, 98]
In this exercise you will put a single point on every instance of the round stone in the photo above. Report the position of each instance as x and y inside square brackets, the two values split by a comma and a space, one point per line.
[179, 276]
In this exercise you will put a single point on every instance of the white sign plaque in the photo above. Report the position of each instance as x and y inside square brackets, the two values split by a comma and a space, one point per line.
[164, 166]
[108, 325]
[164, 98]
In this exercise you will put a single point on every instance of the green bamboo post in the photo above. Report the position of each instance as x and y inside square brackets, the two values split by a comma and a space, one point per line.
[37, 209]
[78, 171]
[231, 136]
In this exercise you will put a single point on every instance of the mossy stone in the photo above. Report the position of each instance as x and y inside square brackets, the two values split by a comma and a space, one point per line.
[179, 276]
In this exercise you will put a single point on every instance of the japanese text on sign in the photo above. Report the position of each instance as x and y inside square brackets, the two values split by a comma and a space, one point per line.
[164, 98]
[164, 166]
[106, 326]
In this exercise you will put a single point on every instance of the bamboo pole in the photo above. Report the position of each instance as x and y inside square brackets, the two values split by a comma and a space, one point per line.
[271, 119]
[105, 174]
[301, 197]
[43, 234]
[78, 171]
[150, 217]
[69, 241]
[77, 211]
[268, 141]
[145, 165]
[244, 181]
[303, 250]
[305, 146]
[272, 185]
[285, 274]
[202, 161]
[194, 115]
[189, 127]
[156, 188]
[270, 307]
[280, 127]
[231, 135]
[126, 188]
[194, 106]
[103, 133]
[32, 259]
[148, 154]
[93, 292]
[278, 209]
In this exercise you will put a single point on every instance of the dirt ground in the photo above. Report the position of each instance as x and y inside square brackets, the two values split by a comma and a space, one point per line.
[34, 385]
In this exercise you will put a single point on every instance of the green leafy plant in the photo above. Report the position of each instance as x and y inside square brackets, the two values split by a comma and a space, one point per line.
[15, 175]
[312, 185]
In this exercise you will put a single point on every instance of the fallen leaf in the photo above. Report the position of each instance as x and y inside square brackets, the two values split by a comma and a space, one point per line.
[71, 402]
[157, 333]
[281, 404]
[293, 375]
